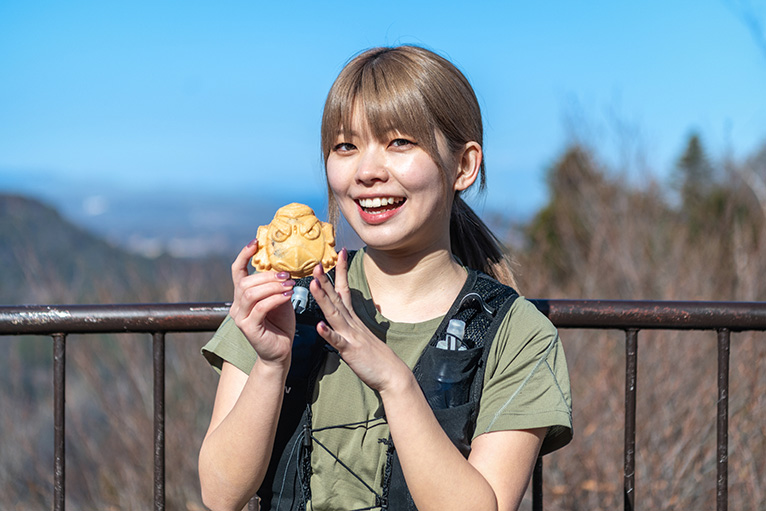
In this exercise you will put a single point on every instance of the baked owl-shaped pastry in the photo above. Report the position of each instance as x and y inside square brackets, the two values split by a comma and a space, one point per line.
[295, 241]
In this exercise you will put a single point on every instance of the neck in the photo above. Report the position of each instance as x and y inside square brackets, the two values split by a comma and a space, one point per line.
[414, 287]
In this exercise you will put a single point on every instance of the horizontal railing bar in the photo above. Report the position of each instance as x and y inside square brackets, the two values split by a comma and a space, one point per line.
[651, 314]
[190, 317]
[122, 318]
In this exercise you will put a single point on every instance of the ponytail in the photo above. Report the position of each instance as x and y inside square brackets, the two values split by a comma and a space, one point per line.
[476, 246]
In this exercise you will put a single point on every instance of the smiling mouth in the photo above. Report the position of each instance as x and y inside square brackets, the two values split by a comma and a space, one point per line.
[380, 205]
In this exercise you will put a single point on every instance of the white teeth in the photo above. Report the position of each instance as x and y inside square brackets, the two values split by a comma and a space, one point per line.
[378, 202]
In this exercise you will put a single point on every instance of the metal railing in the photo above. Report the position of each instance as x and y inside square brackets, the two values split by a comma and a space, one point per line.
[160, 319]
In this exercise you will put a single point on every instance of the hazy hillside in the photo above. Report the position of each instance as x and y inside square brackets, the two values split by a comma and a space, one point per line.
[46, 259]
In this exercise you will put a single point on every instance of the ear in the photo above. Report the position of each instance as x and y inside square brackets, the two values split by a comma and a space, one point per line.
[469, 164]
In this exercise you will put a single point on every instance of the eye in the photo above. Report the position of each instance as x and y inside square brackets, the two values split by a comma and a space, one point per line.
[279, 235]
[402, 142]
[313, 232]
[343, 147]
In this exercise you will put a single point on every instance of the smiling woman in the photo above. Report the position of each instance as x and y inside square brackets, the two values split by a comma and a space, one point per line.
[352, 401]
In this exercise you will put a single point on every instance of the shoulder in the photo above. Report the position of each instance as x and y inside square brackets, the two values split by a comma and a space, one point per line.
[525, 316]
[523, 332]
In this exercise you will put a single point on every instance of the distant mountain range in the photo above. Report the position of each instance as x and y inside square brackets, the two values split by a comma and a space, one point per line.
[45, 258]
[177, 220]
[157, 223]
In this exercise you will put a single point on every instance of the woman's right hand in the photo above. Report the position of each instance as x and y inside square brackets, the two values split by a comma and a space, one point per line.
[262, 309]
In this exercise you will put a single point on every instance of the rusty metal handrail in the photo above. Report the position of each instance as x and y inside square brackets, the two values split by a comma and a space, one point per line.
[107, 319]
[200, 317]
[58, 321]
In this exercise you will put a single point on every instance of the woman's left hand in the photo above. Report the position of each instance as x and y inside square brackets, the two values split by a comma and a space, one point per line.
[369, 357]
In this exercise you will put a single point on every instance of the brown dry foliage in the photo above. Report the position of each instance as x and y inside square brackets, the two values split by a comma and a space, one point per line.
[602, 239]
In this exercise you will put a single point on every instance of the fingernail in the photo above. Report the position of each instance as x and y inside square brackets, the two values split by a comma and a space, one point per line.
[283, 275]
[344, 254]
[287, 283]
[252, 242]
[288, 293]
[321, 269]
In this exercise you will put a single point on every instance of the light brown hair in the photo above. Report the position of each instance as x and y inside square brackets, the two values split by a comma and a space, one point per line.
[420, 93]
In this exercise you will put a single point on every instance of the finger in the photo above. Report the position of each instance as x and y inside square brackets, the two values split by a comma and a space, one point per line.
[326, 297]
[239, 266]
[253, 312]
[341, 278]
[257, 287]
[260, 321]
[262, 308]
[331, 336]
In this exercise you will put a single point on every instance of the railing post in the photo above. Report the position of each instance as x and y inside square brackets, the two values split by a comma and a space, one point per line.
[631, 372]
[158, 351]
[722, 485]
[59, 441]
[537, 485]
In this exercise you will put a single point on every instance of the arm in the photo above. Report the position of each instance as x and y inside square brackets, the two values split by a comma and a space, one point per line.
[496, 474]
[237, 446]
[506, 459]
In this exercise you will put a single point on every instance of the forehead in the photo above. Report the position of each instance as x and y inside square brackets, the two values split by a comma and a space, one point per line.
[366, 119]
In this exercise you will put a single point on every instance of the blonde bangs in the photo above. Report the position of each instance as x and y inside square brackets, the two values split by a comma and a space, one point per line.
[390, 99]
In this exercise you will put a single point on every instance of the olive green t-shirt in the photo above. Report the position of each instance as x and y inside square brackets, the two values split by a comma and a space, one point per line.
[526, 385]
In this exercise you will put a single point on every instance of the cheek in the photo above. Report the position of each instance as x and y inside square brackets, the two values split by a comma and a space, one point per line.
[423, 176]
[338, 184]
[335, 179]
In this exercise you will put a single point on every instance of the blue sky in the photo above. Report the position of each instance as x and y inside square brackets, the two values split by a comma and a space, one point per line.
[224, 98]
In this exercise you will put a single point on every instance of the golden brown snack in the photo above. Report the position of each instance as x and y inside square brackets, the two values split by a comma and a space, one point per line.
[295, 241]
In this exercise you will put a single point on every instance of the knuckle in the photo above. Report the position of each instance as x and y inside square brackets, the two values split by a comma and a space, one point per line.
[250, 294]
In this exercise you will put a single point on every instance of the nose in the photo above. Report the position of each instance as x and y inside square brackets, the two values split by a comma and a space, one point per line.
[372, 167]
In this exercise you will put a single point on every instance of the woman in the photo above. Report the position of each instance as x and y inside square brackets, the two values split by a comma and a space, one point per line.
[379, 424]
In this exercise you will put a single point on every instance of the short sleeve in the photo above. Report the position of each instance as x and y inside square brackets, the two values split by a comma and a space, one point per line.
[229, 344]
[526, 382]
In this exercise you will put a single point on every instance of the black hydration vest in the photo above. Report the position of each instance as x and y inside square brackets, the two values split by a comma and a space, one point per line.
[451, 380]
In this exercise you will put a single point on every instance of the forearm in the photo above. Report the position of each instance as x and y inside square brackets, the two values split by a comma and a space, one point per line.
[437, 474]
[235, 454]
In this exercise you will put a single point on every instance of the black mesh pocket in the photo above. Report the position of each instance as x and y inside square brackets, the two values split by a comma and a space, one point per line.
[448, 375]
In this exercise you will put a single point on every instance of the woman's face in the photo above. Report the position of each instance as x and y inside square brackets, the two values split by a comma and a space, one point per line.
[390, 191]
